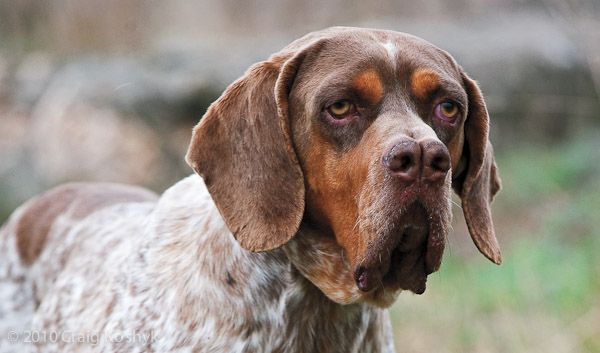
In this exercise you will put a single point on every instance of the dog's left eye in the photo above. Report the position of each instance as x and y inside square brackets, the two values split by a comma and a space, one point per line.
[447, 111]
[341, 109]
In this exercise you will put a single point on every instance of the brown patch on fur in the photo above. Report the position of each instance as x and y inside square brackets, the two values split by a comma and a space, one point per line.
[228, 279]
[74, 201]
[332, 191]
[35, 223]
[368, 85]
[423, 82]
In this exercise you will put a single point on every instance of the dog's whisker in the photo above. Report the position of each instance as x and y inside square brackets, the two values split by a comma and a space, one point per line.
[456, 204]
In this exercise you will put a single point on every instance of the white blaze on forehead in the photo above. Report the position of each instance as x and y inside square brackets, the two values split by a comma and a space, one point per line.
[391, 49]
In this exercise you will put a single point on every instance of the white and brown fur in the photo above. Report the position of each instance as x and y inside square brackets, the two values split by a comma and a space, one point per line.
[247, 260]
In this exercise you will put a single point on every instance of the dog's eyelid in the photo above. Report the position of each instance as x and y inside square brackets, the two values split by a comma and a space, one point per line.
[452, 93]
[326, 104]
[458, 103]
[446, 96]
[333, 94]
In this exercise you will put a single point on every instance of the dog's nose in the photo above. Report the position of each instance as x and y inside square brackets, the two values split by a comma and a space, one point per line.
[403, 160]
[436, 160]
[408, 160]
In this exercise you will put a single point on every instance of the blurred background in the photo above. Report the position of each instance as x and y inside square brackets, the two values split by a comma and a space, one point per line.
[109, 90]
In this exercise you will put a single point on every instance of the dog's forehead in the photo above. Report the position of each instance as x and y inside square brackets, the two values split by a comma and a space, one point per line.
[373, 59]
[345, 46]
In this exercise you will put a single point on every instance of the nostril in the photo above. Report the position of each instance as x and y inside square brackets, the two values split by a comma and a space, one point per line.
[441, 162]
[401, 163]
[436, 160]
[403, 160]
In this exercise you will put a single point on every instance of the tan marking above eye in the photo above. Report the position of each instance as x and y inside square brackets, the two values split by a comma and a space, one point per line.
[368, 85]
[423, 82]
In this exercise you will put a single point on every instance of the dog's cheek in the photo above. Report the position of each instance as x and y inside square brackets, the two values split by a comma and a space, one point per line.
[375, 209]
[333, 182]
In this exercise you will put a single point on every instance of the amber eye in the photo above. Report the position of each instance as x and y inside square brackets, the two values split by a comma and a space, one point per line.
[447, 111]
[340, 109]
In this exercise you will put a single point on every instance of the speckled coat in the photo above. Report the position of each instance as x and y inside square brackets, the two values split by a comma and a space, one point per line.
[167, 276]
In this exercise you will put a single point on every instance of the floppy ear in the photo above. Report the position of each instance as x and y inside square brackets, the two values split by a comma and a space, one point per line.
[477, 180]
[243, 150]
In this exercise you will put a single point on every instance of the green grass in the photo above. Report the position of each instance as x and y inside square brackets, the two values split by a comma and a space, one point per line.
[545, 297]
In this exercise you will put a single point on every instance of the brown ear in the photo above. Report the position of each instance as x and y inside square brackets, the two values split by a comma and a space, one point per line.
[477, 180]
[243, 150]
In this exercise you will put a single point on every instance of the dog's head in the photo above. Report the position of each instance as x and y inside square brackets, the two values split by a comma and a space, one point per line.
[349, 141]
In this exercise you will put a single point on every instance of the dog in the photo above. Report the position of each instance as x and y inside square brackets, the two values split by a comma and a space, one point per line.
[322, 190]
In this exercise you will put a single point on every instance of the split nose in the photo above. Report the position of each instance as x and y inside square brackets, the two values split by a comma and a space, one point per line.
[409, 160]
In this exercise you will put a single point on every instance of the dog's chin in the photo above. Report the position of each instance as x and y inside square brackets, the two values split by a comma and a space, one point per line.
[414, 250]
[407, 272]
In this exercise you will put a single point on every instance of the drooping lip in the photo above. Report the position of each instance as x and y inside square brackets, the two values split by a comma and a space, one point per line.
[414, 248]
[407, 271]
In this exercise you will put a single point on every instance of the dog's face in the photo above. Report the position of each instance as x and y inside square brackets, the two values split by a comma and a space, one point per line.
[351, 139]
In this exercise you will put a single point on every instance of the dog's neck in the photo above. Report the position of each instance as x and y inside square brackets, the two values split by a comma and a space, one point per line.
[322, 261]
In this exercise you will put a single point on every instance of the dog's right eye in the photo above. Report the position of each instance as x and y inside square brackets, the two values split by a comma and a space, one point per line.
[341, 109]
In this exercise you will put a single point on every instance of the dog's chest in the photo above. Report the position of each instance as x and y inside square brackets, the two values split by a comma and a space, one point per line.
[257, 311]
